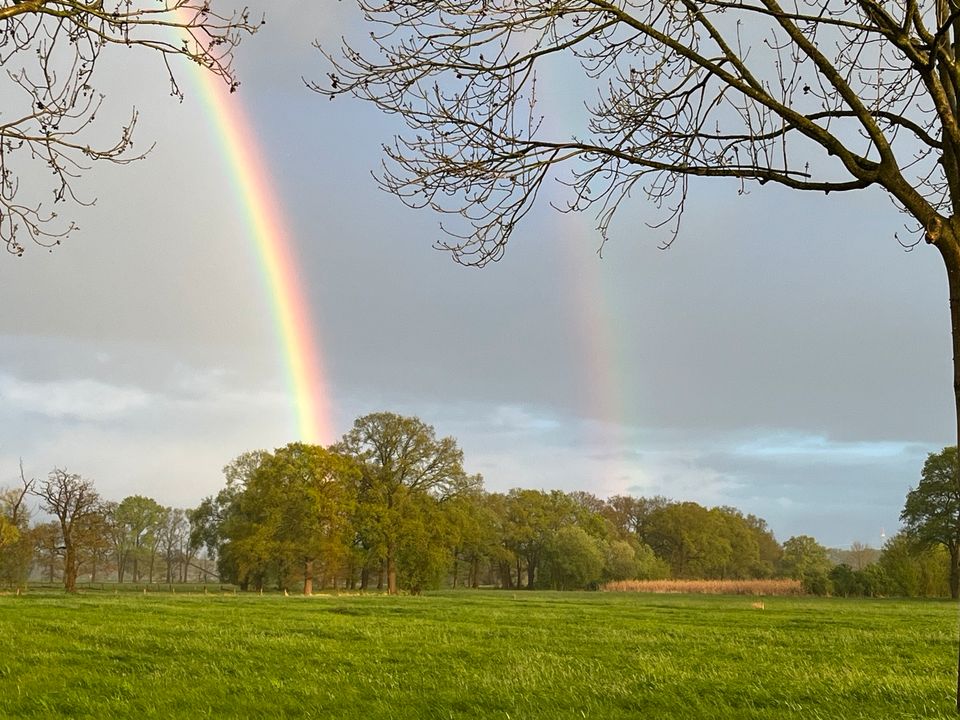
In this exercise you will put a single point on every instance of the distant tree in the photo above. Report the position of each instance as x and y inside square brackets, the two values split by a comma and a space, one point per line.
[692, 539]
[48, 541]
[401, 458]
[649, 566]
[743, 537]
[573, 559]
[16, 543]
[50, 52]
[96, 546]
[475, 521]
[137, 520]
[620, 561]
[769, 550]
[301, 496]
[428, 536]
[72, 500]
[630, 515]
[914, 570]
[862, 555]
[173, 536]
[931, 514]
[532, 517]
[806, 560]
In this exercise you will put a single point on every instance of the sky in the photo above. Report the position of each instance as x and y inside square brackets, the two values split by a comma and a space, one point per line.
[786, 356]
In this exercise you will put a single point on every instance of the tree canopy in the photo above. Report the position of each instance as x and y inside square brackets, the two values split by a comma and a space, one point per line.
[931, 514]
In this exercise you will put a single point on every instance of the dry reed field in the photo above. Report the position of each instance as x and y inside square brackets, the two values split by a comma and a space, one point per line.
[708, 587]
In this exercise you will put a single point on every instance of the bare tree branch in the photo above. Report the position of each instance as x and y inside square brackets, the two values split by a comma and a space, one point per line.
[49, 50]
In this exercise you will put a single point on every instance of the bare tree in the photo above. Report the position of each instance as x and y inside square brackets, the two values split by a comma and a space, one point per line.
[815, 95]
[13, 513]
[73, 501]
[50, 50]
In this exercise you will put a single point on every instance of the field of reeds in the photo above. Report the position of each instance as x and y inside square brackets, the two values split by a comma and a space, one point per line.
[708, 587]
[468, 655]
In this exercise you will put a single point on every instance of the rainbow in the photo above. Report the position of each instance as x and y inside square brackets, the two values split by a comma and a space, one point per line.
[275, 250]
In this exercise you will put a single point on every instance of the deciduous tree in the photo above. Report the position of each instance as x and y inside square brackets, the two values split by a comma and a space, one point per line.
[401, 458]
[931, 514]
[72, 500]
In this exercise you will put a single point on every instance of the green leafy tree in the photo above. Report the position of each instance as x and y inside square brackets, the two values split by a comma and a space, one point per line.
[400, 459]
[807, 560]
[428, 536]
[301, 497]
[630, 515]
[574, 560]
[931, 514]
[691, 539]
[136, 521]
[532, 517]
[477, 537]
[913, 570]
[16, 542]
[620, 561]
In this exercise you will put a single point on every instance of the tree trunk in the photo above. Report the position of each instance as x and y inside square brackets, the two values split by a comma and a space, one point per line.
[531, 573]
[70, 569]
[308, 577]
[391, 569]
[380, 577]
[364, 577]
[948, 244]
[955, 574]
[506, 578]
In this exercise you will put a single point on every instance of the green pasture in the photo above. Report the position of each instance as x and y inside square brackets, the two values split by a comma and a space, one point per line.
[473, 655]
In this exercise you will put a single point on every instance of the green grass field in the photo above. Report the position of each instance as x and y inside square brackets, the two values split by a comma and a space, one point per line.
[474, 655]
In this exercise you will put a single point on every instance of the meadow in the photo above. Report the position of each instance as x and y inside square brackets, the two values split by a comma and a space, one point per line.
[474, 655]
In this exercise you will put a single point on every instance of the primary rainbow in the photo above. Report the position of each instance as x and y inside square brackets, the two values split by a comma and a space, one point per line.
[265, 220]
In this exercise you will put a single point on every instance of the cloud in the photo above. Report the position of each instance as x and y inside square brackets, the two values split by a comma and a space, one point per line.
[82, 399]
[797, 446]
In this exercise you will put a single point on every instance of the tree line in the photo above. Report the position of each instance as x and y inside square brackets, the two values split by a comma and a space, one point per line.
[391, 507]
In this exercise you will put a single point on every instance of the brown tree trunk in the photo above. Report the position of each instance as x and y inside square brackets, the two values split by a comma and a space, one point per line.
[506, 578]
[380, 577]
[955, 579]
[308, 577]
[948, 244]
[364, 577]
[70, 569]
[391, 569]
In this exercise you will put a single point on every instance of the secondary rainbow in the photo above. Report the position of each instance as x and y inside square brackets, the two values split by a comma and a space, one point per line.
[275, 250]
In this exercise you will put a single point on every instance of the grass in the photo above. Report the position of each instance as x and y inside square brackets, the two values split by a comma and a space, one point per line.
[709, 587]
[474, 655]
